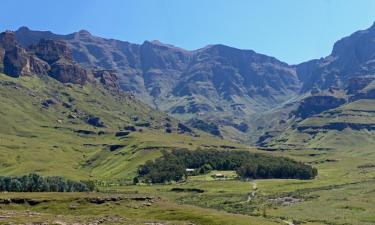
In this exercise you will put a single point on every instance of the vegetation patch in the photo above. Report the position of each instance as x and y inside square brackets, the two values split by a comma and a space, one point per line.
[35, 183]
[177, 164]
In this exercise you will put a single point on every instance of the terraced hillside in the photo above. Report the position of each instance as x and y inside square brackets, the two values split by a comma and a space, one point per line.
[330, 121]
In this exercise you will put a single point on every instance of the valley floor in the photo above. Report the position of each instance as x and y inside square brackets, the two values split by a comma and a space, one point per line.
[343, 193]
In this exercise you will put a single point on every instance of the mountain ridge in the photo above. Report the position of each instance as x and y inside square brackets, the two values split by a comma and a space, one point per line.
[220, 84]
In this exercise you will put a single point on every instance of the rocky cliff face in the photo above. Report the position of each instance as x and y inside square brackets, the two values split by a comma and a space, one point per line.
[108, 78]
[51, 51]
[319, 102]
[47, 57]
[59, 57]
[16, 61]
[361, 88]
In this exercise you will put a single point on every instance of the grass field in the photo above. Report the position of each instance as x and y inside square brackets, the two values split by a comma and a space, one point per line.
[69, 208]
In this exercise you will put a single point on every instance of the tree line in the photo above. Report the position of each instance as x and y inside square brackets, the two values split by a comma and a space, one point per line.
[171, 166]
[36, 183]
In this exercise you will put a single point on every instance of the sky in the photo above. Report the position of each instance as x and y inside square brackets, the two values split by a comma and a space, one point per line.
[291, 30]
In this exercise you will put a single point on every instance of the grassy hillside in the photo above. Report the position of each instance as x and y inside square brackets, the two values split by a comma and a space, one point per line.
[44, 129]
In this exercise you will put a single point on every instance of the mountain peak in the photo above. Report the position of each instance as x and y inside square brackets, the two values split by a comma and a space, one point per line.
[23, 29]
[84, 32]
[158, 43]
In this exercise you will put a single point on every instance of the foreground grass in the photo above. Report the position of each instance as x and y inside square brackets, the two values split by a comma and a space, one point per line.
[71, 208]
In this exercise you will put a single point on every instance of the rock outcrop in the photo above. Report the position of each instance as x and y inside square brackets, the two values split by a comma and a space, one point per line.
[208, 127]
[361, 88]
[47, 57]
[52, 51]
[108, 78]
[59, 56]
[318, 103]
[69, 73]
[16, 61]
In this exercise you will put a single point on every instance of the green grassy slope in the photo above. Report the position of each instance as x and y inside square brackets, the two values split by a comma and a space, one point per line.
[46, 139]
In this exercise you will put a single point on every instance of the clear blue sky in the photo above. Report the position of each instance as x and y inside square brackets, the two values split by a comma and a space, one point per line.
[290, 30]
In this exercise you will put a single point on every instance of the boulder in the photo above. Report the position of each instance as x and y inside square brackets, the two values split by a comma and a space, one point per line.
[85, 132]
[122, 133]
[168, 130]
[129, 128]
[115, 147]
[67, 105]
[46, 103]
[95, 121]
[143, 124]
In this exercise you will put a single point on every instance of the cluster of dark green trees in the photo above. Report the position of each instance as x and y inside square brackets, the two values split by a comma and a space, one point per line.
[171, 166]
[36, 183]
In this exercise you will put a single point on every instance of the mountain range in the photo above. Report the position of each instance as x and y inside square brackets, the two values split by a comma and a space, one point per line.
[228, 92]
